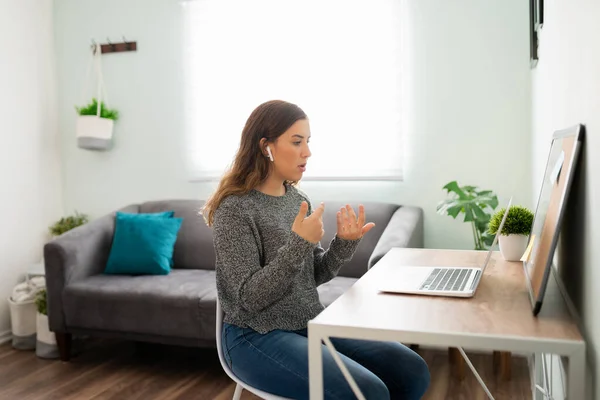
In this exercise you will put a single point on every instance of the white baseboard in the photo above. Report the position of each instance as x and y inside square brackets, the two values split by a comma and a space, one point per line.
[5, 336]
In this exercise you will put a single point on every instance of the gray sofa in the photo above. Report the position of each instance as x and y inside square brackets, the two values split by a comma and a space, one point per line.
[179, 308]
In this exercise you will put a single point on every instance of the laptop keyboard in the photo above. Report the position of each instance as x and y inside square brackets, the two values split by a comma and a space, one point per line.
[447, 279]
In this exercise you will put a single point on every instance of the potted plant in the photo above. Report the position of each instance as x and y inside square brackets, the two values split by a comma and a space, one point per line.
[513, 238]
[67, 223]
[476, 205]
[95, 125]
[46, 340]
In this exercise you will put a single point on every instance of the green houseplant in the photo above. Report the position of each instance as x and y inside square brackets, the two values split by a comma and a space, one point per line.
[40, 302]
[514, 234]
[476, 205]
[67, 223]
[92, 109]
[95, 125]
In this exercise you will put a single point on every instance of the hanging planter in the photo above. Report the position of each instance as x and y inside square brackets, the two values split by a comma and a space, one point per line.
[95, 126]
[95, 122]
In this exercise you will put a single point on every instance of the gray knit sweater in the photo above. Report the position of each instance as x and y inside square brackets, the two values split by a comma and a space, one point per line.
[267, 275]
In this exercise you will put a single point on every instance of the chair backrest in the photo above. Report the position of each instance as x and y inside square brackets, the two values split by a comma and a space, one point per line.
[219, 331]
[219, 344]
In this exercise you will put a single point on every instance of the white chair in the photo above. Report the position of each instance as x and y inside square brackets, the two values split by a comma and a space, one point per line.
[239, 384]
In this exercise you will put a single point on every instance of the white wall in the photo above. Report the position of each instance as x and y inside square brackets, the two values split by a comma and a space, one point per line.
[566, 91]
[29, 168]
[468, 115]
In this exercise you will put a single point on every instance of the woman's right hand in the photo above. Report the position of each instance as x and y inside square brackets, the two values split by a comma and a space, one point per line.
[310, 228]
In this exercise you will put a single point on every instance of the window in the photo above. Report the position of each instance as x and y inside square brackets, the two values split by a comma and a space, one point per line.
[339, 60]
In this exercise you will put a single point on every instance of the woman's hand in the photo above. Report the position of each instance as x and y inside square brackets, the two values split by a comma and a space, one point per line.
[348, 226]
[309, 228]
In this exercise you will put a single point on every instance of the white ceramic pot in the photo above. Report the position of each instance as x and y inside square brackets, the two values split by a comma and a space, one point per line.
[46, 339]
[512, 246]
[94, 133]
[23, 324]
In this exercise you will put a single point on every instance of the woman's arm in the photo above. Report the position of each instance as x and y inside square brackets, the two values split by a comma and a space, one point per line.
[239, 271]
[329, 262]
[350, 229]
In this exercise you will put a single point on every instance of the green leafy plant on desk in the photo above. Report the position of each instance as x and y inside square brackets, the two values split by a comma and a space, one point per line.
[515, 232]
[518, 221]
[476, 205]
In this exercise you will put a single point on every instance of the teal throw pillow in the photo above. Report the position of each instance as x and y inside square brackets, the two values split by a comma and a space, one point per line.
[143, 244]
[164, 214]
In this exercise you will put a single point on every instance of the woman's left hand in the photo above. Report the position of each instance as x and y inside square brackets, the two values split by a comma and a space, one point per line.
[350, 227]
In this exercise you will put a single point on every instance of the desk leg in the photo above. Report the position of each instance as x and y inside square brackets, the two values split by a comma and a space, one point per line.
[315, 365]
[458, 367]
[576, 376]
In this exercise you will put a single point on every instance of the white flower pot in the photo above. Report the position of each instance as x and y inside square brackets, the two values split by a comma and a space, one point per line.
[94, 133]
[23, 324]
[46, 340]
[512, 246]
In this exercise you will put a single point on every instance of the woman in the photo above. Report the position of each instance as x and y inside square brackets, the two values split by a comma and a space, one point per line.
[269, 262]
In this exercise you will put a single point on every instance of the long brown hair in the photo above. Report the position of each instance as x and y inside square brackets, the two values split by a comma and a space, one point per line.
[250, 167]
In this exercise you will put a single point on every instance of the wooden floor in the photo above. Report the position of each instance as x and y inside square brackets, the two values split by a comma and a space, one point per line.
[125, 370]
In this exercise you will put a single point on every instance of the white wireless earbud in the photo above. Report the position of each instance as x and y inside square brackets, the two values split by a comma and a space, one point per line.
[270, 154]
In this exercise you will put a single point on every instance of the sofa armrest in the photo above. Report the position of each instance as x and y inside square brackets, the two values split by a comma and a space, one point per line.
[76, 254]
[405, 229]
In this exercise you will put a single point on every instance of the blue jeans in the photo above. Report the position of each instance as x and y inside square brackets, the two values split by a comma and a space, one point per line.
[277, 363]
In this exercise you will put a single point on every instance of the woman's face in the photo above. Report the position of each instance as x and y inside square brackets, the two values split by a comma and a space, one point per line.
[290, 151]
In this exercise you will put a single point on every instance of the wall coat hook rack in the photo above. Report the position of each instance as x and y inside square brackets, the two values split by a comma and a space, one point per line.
[119, 47]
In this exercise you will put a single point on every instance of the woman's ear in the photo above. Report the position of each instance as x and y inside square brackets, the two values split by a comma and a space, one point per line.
[265, 149]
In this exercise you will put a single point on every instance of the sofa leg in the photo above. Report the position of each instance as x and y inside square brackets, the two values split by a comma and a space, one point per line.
[63, 341]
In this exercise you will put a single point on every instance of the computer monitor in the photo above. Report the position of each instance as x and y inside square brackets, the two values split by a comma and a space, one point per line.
[554, 191]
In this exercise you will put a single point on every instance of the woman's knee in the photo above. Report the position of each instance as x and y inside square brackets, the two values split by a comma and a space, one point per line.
[376, 389]
[410, 378]
[337, 387]
[370, 386]
[422, 377]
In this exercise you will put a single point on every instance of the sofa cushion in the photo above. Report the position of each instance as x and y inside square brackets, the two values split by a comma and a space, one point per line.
[194, 247]
[143, 244]
[181, 304]
[330, 291]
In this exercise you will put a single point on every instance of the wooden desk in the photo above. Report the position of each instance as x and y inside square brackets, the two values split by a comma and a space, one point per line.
[497, 318]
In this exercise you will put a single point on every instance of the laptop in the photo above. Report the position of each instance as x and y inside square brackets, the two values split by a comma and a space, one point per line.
[453, 281]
